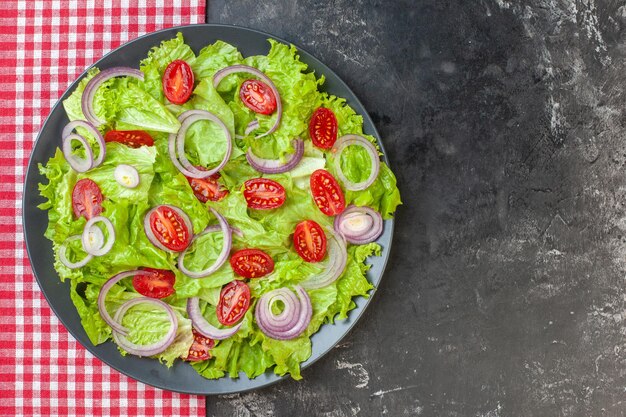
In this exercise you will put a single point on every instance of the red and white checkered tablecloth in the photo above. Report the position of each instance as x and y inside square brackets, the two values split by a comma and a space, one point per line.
[44, 46]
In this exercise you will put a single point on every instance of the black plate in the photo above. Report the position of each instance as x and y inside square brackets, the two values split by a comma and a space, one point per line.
[181, 377]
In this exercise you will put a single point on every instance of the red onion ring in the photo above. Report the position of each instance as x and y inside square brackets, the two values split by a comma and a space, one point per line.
[146, 350]
[348, 140]
[252, 126]
[223, 256]
[372, 228]
[86, 102]
[333, 266]
[63, 256]
[67, 130]
[150, 234]
[77, 163]
[275, 166]
[290, 314]
[176, 144]
[205, 328]
[87, 244]
[224, 72]
[274, 326]
[103, 294]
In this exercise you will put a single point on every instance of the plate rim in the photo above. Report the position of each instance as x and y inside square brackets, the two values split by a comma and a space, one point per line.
[386, 251]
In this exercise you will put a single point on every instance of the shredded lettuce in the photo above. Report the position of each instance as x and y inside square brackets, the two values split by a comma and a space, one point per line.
[126, 103]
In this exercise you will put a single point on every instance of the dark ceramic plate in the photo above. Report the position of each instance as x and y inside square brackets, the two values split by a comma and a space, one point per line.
[181, 377]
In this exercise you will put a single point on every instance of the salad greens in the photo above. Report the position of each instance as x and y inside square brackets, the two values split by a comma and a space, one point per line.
[129, 104]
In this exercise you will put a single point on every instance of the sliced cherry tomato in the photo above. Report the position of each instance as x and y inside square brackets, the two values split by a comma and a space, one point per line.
[251, 263]
[257, 96]
[234, 302]
[86, 199]
[200, 350]
[131, 138]
[178, 81]
[170, 229]
[327, 193]
[206, 189]
[323, 128]
[310, 241]
[263, 194]
[159, 284]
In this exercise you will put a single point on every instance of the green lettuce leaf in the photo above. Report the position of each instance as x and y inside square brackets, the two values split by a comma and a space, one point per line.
[213, 58]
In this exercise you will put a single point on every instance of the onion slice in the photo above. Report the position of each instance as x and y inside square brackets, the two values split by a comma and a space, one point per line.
[216, 228]
[205, 328]
[115, 325]
[234, 69]
[252, 126]
[146, 350]
[77, 163]
[223, 256]
[89, 246]
[359, 225]
[126, 176]
[150, 234]
[292, 321]
[69, 128]
[276, 166]
[63, 255]
[333, 266]
[176, 144]
[348, 140]
[86, 102]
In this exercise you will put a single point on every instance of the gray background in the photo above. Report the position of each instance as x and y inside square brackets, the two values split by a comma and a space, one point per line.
[504, 123]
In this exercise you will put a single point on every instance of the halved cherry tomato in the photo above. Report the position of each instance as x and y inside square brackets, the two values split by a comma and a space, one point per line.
[234, 302]
[131, 138]
[178, 81]
[251, 263]
[200, 348]
[263, 194]
[206, 189]
[86, 199]
[327, 193]
[257, 96]
[159, 284]
[170, 229]
[310, 241]
[323, 128]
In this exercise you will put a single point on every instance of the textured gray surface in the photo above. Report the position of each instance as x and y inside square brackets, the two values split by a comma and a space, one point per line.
[504, 123]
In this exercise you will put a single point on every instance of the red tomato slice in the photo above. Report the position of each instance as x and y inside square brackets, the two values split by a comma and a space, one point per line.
[323, 128]
[310, 241]
[257, 96]
[200, 350]
[251, 263]
[87, 199]
[178, 81]
[131, 138]
[170, 229]
[159, 284]
[263, 194]
[327, 193]
[234, 302]
[206, 189]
